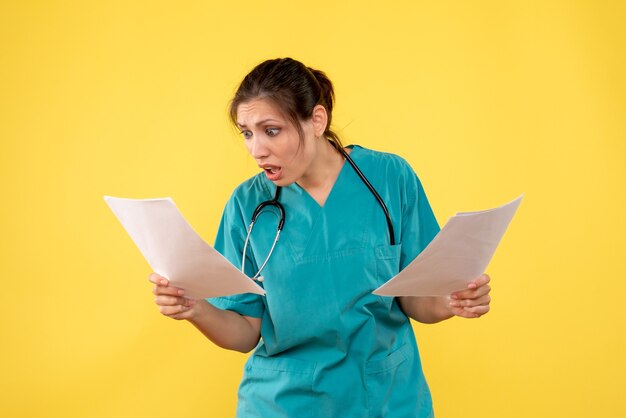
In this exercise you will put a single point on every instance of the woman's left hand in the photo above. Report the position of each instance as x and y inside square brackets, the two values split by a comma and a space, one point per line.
[472, 302]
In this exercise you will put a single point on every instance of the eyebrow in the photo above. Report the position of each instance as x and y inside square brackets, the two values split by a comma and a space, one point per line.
[259, 123]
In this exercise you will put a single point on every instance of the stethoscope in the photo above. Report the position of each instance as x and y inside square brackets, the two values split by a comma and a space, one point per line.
[274, 202]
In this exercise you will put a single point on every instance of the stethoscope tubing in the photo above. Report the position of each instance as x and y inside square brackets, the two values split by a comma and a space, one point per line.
[281, 223]
[274, 202]
[392, 238]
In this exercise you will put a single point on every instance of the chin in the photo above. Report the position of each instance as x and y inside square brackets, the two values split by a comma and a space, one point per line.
[283, 182]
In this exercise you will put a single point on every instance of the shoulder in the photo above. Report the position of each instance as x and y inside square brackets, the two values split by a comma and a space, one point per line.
[246, 197]
[252, 189]
[391, 166]
[392, 176]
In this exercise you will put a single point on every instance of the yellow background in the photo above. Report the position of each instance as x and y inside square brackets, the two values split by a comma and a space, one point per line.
[486, 99]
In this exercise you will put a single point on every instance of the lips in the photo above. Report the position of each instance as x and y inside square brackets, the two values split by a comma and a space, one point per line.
[273, 172]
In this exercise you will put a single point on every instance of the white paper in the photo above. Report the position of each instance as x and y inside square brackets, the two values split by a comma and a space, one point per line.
[175, 251]
[459, 253]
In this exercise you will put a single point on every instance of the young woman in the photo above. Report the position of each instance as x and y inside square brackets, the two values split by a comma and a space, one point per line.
[324, 345]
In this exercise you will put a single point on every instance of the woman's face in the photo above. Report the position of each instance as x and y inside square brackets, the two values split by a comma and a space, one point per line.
[273, 141]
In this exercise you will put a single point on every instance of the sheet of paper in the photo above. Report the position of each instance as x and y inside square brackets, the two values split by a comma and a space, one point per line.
[175, 251]
[459, 253]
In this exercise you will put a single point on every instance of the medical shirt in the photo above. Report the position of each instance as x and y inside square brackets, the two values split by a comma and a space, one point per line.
[329, 347]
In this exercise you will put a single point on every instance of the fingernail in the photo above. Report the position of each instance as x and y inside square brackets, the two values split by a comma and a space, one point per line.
[181, 292]
[163, 282]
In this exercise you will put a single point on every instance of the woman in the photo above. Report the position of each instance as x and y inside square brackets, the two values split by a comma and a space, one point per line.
[325, 345]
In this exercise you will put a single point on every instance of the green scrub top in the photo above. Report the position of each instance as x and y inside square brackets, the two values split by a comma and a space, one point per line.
[329, 347]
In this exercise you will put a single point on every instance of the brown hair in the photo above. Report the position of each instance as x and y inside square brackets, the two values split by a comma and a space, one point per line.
[295, 88]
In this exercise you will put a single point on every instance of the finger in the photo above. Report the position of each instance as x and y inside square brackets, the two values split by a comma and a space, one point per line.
[482, 300]
[473, 312]
[481, 280]
[173, 311]
[463, 313]
[471, 293]
[157, 279]
[184, 314]
[165, 300]
[167, 290]
[478, 310]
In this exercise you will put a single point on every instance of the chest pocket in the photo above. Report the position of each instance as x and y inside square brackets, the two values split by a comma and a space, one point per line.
[387, 266]
[387, 261]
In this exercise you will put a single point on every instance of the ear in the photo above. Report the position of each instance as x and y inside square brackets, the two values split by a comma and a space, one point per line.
[319, 119]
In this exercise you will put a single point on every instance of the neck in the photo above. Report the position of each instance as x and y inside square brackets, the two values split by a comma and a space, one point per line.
[323, 171]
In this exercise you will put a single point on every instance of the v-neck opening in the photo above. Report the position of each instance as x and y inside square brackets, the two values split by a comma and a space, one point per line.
[344, 167]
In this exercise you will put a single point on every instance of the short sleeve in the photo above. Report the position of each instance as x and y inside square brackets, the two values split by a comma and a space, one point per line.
[229, 242]
[419, 225]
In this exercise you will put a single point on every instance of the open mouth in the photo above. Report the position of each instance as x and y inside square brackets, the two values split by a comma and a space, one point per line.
[273, 173]
[272, 170]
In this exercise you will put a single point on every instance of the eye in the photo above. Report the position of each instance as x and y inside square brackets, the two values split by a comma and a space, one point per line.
[272, 131]
[246, 134]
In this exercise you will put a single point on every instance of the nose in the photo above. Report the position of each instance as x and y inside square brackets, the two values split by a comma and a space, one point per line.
[257, 148]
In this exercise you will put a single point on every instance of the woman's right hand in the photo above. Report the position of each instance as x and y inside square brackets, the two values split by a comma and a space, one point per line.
[171, 300]
[228, 329]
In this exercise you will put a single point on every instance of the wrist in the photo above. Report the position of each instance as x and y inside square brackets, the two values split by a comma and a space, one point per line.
[199, 310]
[445, 309]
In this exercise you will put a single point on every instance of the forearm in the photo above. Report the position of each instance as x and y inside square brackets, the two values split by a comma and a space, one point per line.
[226, 329]
[426, 309]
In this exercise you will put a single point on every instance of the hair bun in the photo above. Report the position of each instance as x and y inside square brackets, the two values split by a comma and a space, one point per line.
[327, 93]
